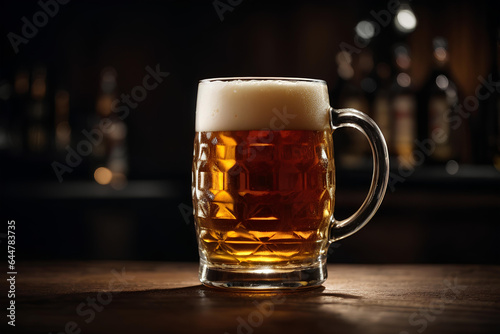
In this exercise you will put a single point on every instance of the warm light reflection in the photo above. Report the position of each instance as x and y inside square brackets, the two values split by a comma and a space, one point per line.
[264, 271]
[103, 175]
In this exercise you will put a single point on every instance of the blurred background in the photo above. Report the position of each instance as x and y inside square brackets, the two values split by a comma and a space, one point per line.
[97, 105]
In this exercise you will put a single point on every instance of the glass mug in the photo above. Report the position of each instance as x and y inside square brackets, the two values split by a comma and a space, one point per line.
[263, 178]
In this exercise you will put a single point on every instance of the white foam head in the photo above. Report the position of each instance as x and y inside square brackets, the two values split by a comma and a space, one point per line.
[228, 104]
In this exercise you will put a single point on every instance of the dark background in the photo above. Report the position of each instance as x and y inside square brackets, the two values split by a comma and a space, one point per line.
[430, 217]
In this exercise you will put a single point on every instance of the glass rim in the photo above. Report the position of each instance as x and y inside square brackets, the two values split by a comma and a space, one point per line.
[289, 79]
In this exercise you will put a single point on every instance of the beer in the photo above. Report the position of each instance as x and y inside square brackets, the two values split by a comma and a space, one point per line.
[263, 173]
[264, 181]
[263, 197]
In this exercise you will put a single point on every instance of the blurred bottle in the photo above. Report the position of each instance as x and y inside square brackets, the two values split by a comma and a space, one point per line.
[349, 94]
[486, 123]
[495, 109]
[6, 112]
[61, 120]
[111, 158]
[18, 120]
[438, 102]
[37, 137]
[368, 80]
[403, 105]
[103, 107]
[382, 105]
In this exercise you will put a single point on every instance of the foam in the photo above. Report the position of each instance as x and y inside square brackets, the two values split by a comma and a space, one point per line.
[262, 104]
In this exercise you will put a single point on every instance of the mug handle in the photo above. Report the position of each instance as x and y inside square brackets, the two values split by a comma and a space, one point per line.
[339, 118]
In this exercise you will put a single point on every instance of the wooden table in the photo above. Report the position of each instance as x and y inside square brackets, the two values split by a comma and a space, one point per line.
[149, 297]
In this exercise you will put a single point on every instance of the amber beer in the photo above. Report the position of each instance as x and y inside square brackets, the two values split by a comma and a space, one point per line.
[264, 181]
[263, 197]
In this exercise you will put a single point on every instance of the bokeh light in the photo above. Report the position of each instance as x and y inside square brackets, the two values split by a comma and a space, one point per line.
[103, 175]
[405, 20]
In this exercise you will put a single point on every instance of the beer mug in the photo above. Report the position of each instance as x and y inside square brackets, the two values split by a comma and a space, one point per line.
[263, 181]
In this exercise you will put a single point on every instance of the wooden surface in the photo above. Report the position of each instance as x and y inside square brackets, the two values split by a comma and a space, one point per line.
[147, 297]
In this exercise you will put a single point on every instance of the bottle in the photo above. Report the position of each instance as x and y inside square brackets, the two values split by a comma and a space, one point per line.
[103, 108]
[382, 105]
[6, 111]
[403, 105]
[38, 112]
[492, 107]
[18, 122]
[349, 94]
[111, 155]
[439, 100]
[368, 80]
[495, 141]
[61, 120]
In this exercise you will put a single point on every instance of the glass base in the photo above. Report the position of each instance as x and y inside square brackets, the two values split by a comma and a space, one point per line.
[263, 277]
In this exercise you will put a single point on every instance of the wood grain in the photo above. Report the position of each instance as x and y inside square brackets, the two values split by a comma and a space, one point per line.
[150, 297]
